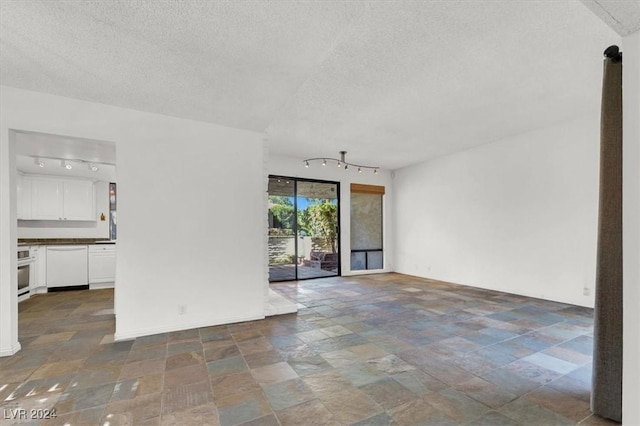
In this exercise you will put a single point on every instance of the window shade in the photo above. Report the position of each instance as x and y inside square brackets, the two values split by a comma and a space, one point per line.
[367, 189]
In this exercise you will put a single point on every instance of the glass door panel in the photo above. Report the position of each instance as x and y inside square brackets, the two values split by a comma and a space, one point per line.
[318, 232]
[282, 230]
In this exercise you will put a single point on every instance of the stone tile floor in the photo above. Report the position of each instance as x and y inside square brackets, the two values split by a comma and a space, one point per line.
[369, 350]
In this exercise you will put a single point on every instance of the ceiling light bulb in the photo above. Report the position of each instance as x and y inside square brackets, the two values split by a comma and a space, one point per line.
[306, 164]
[324, 162]
[38, 162]
[359, 170]
[375, 171]
[339, 164]
[66, 165]
[93, 167]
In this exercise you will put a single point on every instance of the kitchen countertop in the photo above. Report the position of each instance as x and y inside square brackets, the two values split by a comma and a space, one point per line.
[61, 241]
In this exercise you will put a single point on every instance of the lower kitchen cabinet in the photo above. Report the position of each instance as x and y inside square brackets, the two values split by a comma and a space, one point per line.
[102, 265]
[38, 279]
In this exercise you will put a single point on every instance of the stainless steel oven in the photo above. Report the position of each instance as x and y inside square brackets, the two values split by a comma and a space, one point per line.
[25, 260]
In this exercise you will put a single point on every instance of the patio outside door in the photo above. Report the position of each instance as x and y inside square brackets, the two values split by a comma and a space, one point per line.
[304, 231]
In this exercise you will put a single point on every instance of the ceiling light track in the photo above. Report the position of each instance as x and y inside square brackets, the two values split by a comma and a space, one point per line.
[66, 162]
[341, 162]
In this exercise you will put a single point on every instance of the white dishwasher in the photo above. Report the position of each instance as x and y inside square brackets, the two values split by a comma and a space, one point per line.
[67, 266]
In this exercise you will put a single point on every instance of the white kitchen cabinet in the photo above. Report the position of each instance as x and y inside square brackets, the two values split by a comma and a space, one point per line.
[60, 199]
[102, 265]
[42, 267]
[78, 200]
[46, 199]
[38, 277]
[19, 195]
[67, 266]
[23, 197]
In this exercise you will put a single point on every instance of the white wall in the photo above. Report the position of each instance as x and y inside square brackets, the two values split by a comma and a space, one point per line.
[631, 226]
[294, 167]
[60, 229]
[190, 212]
[518, 215]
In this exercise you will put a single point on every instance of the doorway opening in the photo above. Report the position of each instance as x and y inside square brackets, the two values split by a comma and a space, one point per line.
[304, 228]
[65, 220]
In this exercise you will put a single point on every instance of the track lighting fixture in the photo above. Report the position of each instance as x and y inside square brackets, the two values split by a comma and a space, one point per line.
[94, 166]
[340, 162]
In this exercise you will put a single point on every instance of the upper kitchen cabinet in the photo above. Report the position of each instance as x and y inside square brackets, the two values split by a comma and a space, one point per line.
[57, 199]
[24, 197]
[46, 199]
[79, 201]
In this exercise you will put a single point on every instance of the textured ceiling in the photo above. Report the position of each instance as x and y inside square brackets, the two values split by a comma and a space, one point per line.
[621, 15]
[393, 83]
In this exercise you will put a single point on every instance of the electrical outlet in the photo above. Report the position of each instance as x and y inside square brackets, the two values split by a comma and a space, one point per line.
[586, 291]
[182, 309]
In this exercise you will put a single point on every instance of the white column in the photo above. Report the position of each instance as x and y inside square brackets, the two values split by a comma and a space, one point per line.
[8, 232]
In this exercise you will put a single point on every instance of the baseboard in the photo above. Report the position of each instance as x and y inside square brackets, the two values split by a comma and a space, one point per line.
[8, 352]
[99, 286]
[518, 292]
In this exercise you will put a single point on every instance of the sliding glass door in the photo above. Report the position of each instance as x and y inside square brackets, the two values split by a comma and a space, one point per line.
[304, 231]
